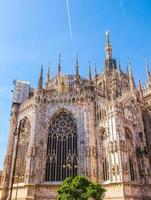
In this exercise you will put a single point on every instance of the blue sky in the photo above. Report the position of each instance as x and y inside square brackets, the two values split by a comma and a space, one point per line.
[34, 32]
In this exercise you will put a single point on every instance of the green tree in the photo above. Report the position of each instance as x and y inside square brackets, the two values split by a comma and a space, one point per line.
[80, 188]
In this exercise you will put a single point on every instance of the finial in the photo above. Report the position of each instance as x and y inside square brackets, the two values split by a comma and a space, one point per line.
[40, 81]
[59, 65]
[77, 66]
[89, 72]
[108, 47]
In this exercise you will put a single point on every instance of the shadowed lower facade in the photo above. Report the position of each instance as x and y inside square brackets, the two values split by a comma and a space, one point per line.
[99, 127]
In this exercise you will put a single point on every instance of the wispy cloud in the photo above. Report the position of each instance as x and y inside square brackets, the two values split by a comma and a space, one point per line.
[69, 18]
[122, 10]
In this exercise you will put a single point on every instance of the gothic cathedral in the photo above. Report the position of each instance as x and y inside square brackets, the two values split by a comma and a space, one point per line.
[99, 127]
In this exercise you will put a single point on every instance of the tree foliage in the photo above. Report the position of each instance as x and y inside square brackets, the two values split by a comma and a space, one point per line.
[80, 188]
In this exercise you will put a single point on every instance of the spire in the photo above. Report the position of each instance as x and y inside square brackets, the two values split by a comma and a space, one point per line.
[89, 72]
[119, 66]
[119, 70]
[127, 69]
[131, 79]
[48, 73]
[59, 65]
[147, 67]
[139, 83]
[77, 66]
[95, 73]
[108, 47]
[40, 81]
[48, 76]
[140, 88]
[95, 70]
[148, 73]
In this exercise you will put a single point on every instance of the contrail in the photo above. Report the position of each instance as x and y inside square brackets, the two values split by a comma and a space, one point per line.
[122, 10]
[69, 17]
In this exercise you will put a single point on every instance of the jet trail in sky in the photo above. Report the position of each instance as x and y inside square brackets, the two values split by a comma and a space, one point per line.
[69, 18]
[122, 10]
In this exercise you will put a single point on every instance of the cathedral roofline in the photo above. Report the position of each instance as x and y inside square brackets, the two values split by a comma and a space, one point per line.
[112, 82]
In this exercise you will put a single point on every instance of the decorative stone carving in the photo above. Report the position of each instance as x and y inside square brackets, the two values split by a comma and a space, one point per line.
[111, 121]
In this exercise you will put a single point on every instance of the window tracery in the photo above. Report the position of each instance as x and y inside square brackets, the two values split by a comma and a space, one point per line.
[61, 148]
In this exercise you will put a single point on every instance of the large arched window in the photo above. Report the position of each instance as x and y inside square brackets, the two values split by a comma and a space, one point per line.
[61, 148]
[21, 150]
